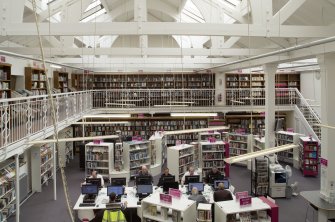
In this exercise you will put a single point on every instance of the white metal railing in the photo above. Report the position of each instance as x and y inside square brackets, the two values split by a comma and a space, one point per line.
[23, 117]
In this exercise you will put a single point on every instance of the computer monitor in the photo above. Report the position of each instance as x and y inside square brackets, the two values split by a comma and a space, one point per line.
[118, 190]
[168, 185]
[144, 189]
[225, 183]
[199, 186]
[95, 181]
[89, 189]
[214, 177]
[169, 179]
[119, 181]
[192, 179]
[144, 180]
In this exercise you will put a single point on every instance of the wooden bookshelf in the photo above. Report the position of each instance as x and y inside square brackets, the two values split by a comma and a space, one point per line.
[61, 81]
[5, 80]
[35, 80]
[288, 80]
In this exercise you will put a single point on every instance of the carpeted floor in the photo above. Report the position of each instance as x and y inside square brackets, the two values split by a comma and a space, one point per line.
[42, 207]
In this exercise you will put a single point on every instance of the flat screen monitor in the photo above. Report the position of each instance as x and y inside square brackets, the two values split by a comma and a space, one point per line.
[225, 183]
[144, 189]
[118, 190]
[168, 185]
[95, 181]
[280, 177]
[212, 178]
[199, 186]
[169, 179]
[118, 181]
[143, 180]
[192, 179]
[89, 189]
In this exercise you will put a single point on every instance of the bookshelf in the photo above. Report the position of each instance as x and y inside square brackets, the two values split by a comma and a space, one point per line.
[289, 156]
[179, 158]
[260, 176]
[61, 81]
[7, 189]
[308, 156]
[259, 143]
[212, 154]
[35, 80]
[197, 153]
[98, 157]
[207, 135]
[118, 168]
[180, 210]
[158, 151]
[240, 144]
[42, 165]
[204, 212]
[288, 80]
[137, 154]
[259, 210]
[66, 148]
[253, 123]
[5, 80]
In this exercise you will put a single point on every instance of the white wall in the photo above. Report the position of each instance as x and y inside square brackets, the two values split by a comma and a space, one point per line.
[310, 88]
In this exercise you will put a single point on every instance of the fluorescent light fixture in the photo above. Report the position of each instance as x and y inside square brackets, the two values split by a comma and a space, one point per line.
[118, 115]
[121, 104]
[105, 123]
[55, 66]
[194, 114]
[235, 101]
[129, 100]
[93, 5]
[180, 102]
[172, 105]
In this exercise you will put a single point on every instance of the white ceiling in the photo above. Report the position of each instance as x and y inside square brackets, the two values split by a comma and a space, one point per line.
[268, 26]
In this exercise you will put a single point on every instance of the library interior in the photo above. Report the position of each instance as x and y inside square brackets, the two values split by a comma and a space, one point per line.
[167, 110]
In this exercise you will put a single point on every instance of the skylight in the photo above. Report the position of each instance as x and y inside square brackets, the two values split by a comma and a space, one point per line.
[191, 14]
[94, 15]
[232, 3]
[94, 4]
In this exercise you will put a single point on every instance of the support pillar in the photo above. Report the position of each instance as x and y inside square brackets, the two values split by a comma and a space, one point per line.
[327, 192]
[270, 102]
[140, 15]
[54, 176]
[17, 188]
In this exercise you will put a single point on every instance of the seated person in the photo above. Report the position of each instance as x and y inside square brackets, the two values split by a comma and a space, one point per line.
[110, 215]
[221, 194]
[144, 172]
[199, 198]
[165, 174]
[213, 173]
[94, 174]
[190, 172]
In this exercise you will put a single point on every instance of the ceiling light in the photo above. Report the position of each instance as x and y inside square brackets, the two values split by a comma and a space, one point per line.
[129, 100]
[55, 66]
[121, 104]
[105, 123]
[119, 115]
[171, 105]
[194, 114]
[180, 102]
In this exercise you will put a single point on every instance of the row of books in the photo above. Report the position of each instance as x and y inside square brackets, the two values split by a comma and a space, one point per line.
[96, 156]
[209, 156]
[138, 155]
[3, 75]
[184, 168]
[7, 173]
[4, 95]
[46, 167]
[238, 145]
[185, 160]
[238, 138]
[96, 164]
[7, 186]
[138, 163]
[217, 163]
[4, 85]
[237, 152]
[187, 151]
[214, 147]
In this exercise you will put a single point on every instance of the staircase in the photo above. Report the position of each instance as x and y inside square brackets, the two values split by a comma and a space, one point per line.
[310, 115]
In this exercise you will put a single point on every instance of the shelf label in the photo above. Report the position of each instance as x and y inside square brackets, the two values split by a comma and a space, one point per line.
[140, 115]
[212, 139]
[245, 201]
[166, 198]
[175, 193]
[291, 130]
[262, 113]
[178, 142]
[242, 194]
[2, 59]
[96, 141]
[323, 162]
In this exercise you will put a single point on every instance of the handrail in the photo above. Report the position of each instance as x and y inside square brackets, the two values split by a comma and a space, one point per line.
[307, 105]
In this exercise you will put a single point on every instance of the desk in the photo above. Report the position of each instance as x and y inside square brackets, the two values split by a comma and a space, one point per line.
[102, 199]
[325, 209]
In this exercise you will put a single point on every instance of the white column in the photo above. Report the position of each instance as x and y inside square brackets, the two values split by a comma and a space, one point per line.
[54, 177]
[270, 102]
[17, 188]
[327, 69]
[140, 15]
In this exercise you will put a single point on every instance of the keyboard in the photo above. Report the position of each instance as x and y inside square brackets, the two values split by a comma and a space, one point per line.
[86, 204]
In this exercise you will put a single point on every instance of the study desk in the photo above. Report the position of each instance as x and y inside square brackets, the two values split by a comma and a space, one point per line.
[325, 209]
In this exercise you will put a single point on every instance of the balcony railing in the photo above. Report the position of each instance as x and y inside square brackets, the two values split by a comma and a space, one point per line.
[23, 117]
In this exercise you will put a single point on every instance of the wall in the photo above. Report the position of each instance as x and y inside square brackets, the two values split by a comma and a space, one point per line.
[310, 88]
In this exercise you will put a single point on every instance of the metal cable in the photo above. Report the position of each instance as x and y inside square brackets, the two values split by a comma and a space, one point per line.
[53, 115]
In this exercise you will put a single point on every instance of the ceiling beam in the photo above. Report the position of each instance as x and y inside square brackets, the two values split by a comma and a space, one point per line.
[166, 28]
[138, 51]
[287, 11]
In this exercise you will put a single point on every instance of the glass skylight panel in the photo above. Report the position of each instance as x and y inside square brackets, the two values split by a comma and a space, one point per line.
[191, 14]
[94, 15]
[94, 4]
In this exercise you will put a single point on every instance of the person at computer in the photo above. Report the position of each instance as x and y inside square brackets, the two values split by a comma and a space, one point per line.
[221, 194]
[191, 172]
[110, 215]
[144, 172]
[198, 198]
[214, 173]
[95, 174]
[166, 173]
